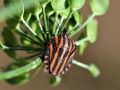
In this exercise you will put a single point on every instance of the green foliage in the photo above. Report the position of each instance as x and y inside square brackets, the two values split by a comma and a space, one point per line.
[99, 7]
[21, 79]
[58, 5]
[36, 9]
[19, 8]
[9, 40]
[20, 71]
[82, 47]
[31, 24]
[76, 4]
[92, 30]
[14, 20]
[43, 2]
[78, 18]
[94, 70]
[55, 81]
[27, 15]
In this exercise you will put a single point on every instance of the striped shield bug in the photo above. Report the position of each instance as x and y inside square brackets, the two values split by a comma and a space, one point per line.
[59, 53]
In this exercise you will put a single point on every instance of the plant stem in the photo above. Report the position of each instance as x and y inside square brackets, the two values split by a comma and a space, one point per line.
[45, 21]
[82, 65]
[2, 46]
[20, 48]
[74, 28]
[81, 41]
[55, 23]
[26, 49]
[29, 57]
[92, 68]
[58, 28]
[21, 70]
[25, 23]
[66, 22]
[36, 72]
[40, 26]
[29, 28]
[83, 25]
[25, 35]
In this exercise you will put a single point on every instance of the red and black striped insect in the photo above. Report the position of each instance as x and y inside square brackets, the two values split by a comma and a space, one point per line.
[58, 55]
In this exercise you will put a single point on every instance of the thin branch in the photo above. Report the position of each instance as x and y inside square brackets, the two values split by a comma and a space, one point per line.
[24, 69]
[45, 21]
[25, 35]
[29, 28]
[66, 22]
[83, 25]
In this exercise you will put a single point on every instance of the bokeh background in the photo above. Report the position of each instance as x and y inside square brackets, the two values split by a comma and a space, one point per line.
[105, 53]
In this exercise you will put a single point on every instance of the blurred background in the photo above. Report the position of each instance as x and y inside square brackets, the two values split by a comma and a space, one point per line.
[105, 53]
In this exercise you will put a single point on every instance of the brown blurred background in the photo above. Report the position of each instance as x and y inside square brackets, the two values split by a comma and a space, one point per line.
[105, 53]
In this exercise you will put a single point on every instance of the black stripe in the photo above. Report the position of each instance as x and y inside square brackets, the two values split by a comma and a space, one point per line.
[72, 51]
[61, 64]
[64, 70]
[53, 53]
[69, 43]
[66, 53]
[57, 60]
[64, 40]
[53, 41]
[60, 52]
[59, 37]
[54, 47]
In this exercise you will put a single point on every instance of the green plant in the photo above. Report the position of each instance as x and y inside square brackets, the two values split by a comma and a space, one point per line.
[31, 24]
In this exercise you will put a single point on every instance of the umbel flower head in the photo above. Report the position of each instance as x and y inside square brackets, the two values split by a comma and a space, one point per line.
[44, 30]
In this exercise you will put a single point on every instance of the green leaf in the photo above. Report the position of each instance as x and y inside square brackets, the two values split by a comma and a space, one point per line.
[58, 5]
[25, 42]
[49, 10]
[64, 13]
[33, 24]
[75, 21]
[19, 8]
[43, 1]
[19, 80]
[9, 40]
[36, 9]
[27, 15]
[21, 70]
[99, 7]
[76, 4]
[55, 81]
[94, 70]
[92, 30]
[9, 37]
[12, 10]
[82, 47]
[14, 20]
[78, 17]
[12, 23]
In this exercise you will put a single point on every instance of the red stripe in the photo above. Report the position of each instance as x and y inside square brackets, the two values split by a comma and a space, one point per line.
[61, 57]
[66, 57]
[56, 54]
